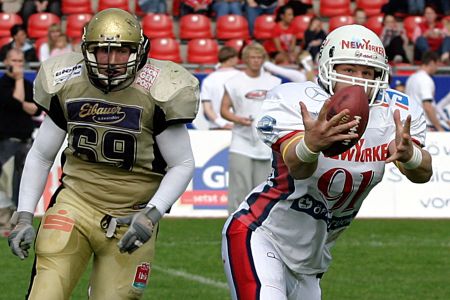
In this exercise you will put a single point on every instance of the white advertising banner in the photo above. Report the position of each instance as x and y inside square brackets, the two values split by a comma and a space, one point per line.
[394, 197]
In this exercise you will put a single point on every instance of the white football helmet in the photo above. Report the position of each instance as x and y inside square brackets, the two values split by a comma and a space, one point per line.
[113, 28]
[354, 44]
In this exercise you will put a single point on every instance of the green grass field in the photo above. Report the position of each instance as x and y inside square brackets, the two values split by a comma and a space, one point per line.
[374, 259]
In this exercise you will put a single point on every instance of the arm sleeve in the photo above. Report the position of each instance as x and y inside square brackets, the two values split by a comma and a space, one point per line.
[38, 163]
[175, 147]
[291, 74]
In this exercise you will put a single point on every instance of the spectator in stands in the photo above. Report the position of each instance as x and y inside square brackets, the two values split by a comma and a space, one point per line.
[16, 127]
[360, 16]
[249, 158]
[212, 90]
[227, 7]
[304, 71]
[399, 86]
[62, 46]
[54, 31]
[314, 36]
[21, 42]
[37, 6]
[254, 8]
[421, 88]
[153, 6]
[410, 7]
[283, 41]
[195, 7]
[300, 7]
[394, 39]
[11, 6]
[432, 35]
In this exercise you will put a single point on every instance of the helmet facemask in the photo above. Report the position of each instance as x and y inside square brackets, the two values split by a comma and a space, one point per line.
[112, 29]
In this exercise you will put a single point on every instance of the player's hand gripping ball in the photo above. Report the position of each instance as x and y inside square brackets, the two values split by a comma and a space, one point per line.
[356, 101]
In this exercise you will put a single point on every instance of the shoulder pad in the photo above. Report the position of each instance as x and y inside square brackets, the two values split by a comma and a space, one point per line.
[397, 99]
[52, 75]
[175, 90]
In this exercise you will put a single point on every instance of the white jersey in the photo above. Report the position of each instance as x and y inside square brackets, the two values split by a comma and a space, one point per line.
[420, 87]
[303, 218]
[247, 96]
[213, 90]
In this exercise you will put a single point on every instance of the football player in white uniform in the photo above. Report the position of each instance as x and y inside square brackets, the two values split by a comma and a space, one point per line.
[277, 244]
[127, 160]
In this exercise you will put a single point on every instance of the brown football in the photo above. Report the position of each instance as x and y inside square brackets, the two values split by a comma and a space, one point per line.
[355, 100]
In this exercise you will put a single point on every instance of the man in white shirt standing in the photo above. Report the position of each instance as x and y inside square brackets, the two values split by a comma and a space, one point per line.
[213, 88]
[421, 88]
[249, 161]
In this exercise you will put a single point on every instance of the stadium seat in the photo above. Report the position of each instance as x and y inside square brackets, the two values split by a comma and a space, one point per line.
[375, 23]
[165, 49]
[69, 7]
[300, 24]
[202, 51]
[237, 43]
[38, 24]
[232, 27]
[122, 4]
[339, 21]
[7, 21]
[410, 23]
[138, 10]
[75, 24]
[371, 7]
[5, 40]
[331, 8]
[157, 26]
[264, 25]
[195, 26]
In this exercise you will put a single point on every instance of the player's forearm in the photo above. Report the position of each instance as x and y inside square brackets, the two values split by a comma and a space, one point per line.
[423, 172]
[298, 169]
[175, 146]
[38, 163]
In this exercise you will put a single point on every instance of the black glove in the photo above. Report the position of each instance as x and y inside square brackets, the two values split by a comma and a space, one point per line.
[140, 229]
[23, 234]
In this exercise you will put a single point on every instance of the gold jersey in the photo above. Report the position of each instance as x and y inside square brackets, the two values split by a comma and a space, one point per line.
[112, 160]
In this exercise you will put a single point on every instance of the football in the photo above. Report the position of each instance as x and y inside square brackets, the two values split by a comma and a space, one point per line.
[356, 101]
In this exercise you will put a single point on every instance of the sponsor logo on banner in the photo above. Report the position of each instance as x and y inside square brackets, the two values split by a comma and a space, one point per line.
[210, 184]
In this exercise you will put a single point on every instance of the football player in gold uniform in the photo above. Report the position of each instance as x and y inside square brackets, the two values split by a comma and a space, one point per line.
[128, 158]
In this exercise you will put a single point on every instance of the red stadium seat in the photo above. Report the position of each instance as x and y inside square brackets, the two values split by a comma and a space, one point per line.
[375, 23]
[264, 25]
[165, 49]
[122, 4]
[38, 24]
[300, 24]
[75, 24]
[410, 23]
[232, 27]
[137, 9]
[157, 26]
[69, 7]
[237, 43]
[202, 51]
[339, 21]
[5, 40]
[7, 21]
[195, 26]
[331, 8]
[371, 7]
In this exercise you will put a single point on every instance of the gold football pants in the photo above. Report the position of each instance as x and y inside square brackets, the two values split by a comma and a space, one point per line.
[69, 235]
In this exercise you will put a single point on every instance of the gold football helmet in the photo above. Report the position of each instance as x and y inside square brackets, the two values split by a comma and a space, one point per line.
[113, 28]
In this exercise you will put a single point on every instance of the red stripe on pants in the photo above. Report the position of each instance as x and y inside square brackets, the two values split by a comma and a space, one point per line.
[245, 279]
